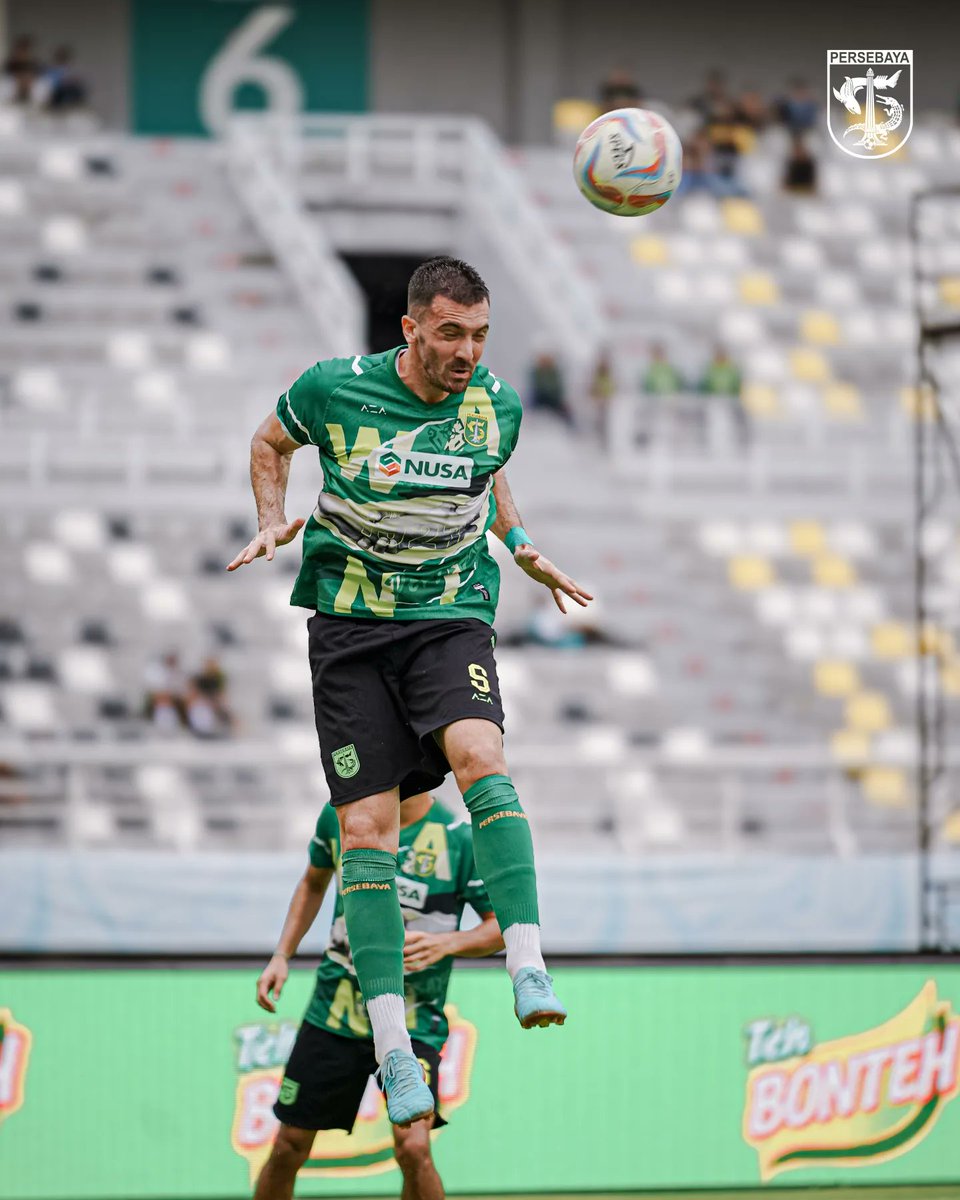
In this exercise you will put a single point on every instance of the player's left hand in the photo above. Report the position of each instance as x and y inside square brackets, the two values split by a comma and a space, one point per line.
[421, 950]
[543, 571]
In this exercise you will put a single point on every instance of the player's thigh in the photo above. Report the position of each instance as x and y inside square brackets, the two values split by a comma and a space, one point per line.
[449, 674]
[324, 1081]
[366, 744]
[372, 822]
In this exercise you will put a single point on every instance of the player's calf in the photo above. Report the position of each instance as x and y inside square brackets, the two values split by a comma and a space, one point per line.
[290, 1151]
[421, 1180]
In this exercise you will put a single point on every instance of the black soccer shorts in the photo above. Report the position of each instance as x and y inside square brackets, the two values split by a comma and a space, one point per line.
[327, 1075]
[381, 689]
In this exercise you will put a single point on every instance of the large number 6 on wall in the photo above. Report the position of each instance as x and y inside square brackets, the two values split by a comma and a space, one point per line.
[238, 62]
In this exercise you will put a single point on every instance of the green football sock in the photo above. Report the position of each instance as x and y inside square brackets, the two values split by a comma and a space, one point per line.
[503, 850]
[374, 923]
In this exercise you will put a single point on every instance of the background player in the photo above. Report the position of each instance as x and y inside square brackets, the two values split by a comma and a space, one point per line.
[333, 1057]
[412, 443]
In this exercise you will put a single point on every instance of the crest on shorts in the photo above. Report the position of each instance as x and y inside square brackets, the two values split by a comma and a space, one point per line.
[346, 761]
[475, 429]
[870, 100]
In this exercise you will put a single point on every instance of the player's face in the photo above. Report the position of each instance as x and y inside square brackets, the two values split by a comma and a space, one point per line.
[450, 338]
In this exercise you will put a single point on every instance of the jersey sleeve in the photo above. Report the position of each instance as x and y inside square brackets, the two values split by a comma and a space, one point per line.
[302, 407]
[472, 889]
[514, 415]
[324, 841]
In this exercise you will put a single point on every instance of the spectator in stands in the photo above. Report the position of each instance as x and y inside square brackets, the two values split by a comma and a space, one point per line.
[165, 701]
[661, 378]
[729, 135]
[208, 715]
[753, 110]
[698, 172]
[800, 169]
[714, 99]
[798, 108]
[722, 378]
[602, 387]
[620, 90]
[12, 790]
[21, 73]
[547, 389]
[65, 90]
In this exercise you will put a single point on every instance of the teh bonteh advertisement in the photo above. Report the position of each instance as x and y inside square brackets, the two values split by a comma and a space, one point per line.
[160, 1083]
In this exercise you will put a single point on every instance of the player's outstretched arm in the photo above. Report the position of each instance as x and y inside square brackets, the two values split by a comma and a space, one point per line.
[304, 906]
[508, 528]
[270, 452]
[422, 950]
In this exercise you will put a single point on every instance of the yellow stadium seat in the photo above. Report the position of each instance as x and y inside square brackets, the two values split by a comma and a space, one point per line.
[892, 639]
[918, 403]
[885, 786]
[934, 640]
[869, 712]
[572, 116]
[842, 401]
[807, 537]
[950, 677]
[820, 328]
[742, 216]
[834, 677]
[749, 572]
[850, 745]
[761, 400]
[833, 571]
[950, 290]
[649, 251]
[809, 366]
[757, 287]
[951, 828]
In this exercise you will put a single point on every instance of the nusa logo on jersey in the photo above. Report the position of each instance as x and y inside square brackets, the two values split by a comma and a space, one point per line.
[429, 470]
[870, 100]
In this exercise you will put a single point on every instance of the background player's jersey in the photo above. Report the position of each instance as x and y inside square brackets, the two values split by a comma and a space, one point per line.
[399, 528]
[436, 878]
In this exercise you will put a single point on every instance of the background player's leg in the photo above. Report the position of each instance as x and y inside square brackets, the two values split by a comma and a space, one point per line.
[370, 836]
[502, 844]
[412, 1149]
[290, 1151]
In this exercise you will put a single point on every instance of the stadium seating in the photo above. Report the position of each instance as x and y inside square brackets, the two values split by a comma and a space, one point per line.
[745, 681]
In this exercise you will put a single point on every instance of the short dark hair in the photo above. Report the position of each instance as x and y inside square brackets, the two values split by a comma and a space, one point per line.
[445, 276]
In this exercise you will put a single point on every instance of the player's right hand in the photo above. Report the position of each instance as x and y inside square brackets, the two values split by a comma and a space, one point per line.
[267, 541]
[272, 979]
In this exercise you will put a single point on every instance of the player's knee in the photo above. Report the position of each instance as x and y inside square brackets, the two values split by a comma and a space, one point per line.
[476, 761]
[292, 1147]
[412, 1147]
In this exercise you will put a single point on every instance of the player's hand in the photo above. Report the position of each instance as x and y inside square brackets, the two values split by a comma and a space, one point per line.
[271, 981]
[267, 541]
[421, 950]
[543, 571]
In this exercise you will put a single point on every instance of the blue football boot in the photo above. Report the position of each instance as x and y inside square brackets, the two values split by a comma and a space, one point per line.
[534, 1000]
[408, 1097]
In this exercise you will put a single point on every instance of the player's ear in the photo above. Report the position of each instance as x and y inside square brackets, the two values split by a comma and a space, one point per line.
[409, 327]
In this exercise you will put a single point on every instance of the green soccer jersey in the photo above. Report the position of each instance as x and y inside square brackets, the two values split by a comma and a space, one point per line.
[436, 878]
[399, 528]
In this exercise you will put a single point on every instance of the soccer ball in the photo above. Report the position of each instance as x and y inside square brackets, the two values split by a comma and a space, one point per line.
[628, 162]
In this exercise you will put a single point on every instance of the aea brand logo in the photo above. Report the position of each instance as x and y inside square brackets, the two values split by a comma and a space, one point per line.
[855, 1101]
[870, 100]
[428, 470]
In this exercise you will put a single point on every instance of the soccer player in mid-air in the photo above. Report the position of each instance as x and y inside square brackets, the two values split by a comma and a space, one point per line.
[413, 444]
[333, 1057]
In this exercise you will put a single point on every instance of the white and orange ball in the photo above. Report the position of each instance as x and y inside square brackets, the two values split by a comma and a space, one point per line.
[628, 161]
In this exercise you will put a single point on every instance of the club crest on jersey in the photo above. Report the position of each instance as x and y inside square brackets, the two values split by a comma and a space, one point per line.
[475, 429]
[870, 100]
[346, 761]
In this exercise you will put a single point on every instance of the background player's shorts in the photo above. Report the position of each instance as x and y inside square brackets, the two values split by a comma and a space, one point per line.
[327, 1075]
[381, 688]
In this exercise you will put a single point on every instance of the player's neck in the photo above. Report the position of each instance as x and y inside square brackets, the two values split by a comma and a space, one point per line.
[411, 373]
[410, 816]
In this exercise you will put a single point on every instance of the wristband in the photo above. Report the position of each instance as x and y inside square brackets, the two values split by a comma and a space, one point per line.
[517, 536]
